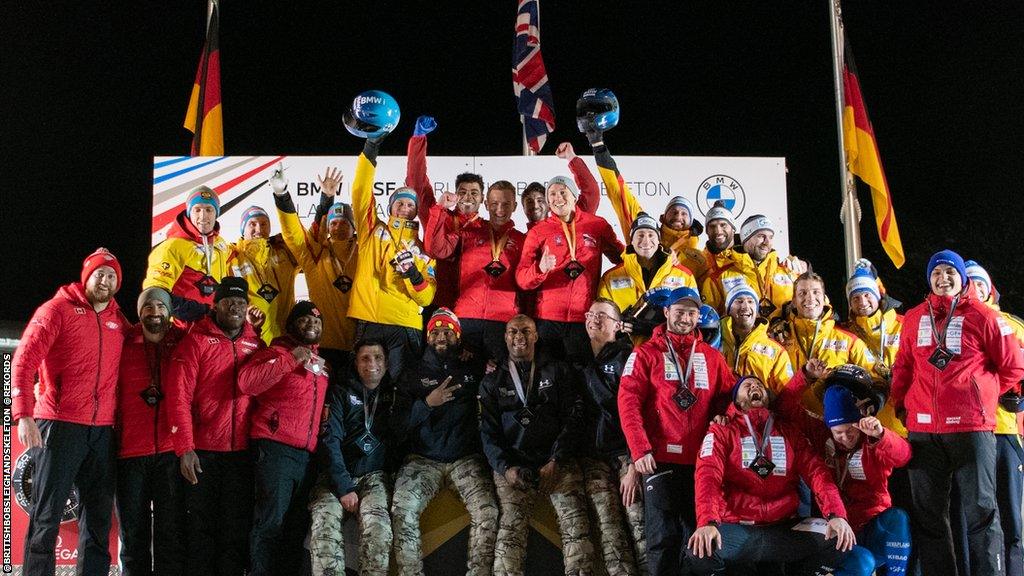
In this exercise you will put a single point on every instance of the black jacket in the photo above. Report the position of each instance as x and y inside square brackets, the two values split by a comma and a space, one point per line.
[449, 431]
[555, 428]
[339, 452]
[601, 379]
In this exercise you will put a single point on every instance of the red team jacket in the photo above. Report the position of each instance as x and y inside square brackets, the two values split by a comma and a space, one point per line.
[651, 420]
[144, 430]
[481, 295]
[987, 361]
[728, 491]
[559, 297]
[863, 474]
[289, 399]
[208, 409]
[76, 352]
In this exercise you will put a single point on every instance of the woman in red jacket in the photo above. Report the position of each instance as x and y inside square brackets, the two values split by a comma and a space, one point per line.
[746, 485]
[956, 357]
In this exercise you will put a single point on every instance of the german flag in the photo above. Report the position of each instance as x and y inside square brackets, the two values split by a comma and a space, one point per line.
[864, 161]
[207, 127]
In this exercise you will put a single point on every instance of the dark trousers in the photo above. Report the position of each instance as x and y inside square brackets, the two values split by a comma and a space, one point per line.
[151, 513]
[284, 477]
[669, 516]
[485, 336]
[220, 514]
[806, 553]
[80, 456]
[568, 340]
[969, 458]
[401, 345]
[1009, 490]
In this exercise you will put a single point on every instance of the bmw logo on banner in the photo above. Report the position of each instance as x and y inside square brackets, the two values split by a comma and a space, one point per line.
[724, 188]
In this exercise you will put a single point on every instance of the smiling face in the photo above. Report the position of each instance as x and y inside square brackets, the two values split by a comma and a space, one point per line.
[535, 205]
[760, 245]
[501, 205]
[203, 217]
[846, 435]
[403, 208]
[682, 317]
[340, 229]
[470, 195]
[981, 287]
[561, 201]
[443, 340]
[863, 303]
[720, 234]
[645, 242]
[370, 365]
[101, 285]
[743, 312]
[809, 296]
[945, 280]
[677, 217]
[602, 322]
[521, 338]
[307, 329]
[229, 313]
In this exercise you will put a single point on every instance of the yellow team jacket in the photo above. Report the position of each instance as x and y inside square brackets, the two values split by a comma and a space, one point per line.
[270, 271]
[774, 283]
[725, 270]
[624, 284]
[379, 294]
[329, 266]
[757, 355]
[1006, 422]
[179, 263]
[824, 340]
[681, 244]
[880, 332]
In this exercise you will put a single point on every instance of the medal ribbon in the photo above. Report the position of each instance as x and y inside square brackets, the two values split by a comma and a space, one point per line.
[514, 370]
[368, 414]
[683, 376]
[940, 340]
[570, 236]
[497, 246]
[760, 445]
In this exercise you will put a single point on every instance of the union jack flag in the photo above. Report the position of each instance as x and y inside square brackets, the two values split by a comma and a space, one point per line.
[530, 78]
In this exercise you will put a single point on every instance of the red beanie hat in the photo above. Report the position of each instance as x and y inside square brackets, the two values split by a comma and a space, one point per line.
[101, 257]
[445, 318]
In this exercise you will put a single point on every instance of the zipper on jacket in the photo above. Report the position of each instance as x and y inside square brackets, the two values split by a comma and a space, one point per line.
[312, 413]
[977, 396]
[99, 369]
[156, 409]
[234, 392]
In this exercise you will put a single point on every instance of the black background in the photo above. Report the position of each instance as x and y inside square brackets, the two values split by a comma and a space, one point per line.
[93, 90]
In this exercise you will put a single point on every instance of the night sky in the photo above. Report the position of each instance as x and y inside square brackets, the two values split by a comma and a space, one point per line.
[93, 90]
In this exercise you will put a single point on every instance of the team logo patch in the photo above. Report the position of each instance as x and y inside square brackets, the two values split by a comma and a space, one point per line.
[589, 241]
[621, 283]
[112, 325]
[212, 340]
[783, 279]
[724, 188]
[763, 349]
[79, 310]
[608, 368]
[545, 383]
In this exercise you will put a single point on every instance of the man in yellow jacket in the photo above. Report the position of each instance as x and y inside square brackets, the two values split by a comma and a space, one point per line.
[774, 275]
[679, 232]
[747, 348]
[810, 331]
[645, 265]
[1009, 452]
[269, 269]
[874, 320]
[193, 259]
[394, 277]
[326, 253]
[726, 266]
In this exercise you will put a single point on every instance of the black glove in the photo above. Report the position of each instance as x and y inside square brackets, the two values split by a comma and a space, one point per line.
[1012, 402]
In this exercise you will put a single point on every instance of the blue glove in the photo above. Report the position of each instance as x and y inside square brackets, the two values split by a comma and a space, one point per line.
[424, 125]
[658, 296]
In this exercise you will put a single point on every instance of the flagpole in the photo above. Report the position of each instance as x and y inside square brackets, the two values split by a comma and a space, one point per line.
[850, 213]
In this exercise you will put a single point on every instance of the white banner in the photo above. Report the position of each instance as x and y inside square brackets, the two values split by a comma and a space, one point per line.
[747, 185]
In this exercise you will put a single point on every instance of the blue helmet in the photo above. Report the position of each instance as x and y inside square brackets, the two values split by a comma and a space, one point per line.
[709, 326]
[373, 114]
[597, 109]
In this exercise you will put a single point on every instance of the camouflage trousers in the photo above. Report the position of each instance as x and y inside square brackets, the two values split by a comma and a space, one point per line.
[327, 544]
[571, 510]
[419, 480]
[622, 554]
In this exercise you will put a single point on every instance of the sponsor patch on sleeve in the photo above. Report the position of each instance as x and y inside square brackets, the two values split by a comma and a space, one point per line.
[627, 370]
[1004, 327]
[708, 446]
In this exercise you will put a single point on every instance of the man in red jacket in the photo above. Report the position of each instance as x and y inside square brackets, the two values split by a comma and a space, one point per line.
[73, 342]
[562, 260]
[671, 387]
[956, 357]
[746, 487]
[150, 490]
[210, 432]
[288, 382]
[488, 253]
